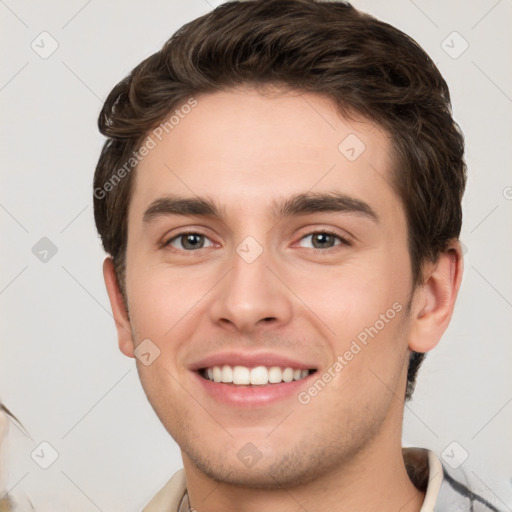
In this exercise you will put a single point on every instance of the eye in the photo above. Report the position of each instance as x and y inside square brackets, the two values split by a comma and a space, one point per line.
[189, 241]
[324, 240]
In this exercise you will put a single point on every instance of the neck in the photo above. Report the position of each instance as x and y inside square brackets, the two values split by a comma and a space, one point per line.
[373, 480]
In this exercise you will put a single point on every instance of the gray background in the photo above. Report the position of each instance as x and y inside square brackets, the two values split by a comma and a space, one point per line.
[60, 368]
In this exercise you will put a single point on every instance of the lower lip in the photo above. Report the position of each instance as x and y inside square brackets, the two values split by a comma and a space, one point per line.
[252, 396]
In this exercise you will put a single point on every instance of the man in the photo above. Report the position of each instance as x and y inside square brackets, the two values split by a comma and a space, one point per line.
[280, 196]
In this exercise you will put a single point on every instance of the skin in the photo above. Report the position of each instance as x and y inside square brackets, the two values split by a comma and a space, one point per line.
[244, 149]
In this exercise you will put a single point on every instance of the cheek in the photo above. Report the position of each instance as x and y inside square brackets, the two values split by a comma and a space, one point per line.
[361, 309]
[353, 296]
[162, 301]
[168, 398]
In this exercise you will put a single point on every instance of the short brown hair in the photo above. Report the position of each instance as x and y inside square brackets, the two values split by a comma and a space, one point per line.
[365, 66]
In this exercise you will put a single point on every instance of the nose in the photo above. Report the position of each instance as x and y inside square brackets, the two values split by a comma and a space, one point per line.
[252, 295]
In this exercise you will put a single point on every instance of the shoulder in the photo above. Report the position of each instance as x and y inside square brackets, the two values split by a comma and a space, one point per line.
[169, 497]
[467, 492]
[447, 489]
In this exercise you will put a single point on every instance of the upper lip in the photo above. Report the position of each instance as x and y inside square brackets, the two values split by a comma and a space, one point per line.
[250, 360]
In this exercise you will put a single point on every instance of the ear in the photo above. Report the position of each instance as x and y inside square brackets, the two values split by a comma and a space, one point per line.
[433, 302]
[124, 332]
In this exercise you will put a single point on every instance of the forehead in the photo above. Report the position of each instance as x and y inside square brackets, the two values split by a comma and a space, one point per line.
[246, 149]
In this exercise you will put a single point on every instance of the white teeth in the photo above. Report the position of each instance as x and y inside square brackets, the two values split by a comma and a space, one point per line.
[217, 374]
[227, 374]
[257, 376]
[288, 374]
[241, 375]
[275, 375]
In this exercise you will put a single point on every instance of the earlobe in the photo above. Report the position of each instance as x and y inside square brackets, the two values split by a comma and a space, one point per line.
[119, 312]
[434, 301]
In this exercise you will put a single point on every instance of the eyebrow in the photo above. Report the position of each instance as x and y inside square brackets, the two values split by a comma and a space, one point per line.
[300, 204]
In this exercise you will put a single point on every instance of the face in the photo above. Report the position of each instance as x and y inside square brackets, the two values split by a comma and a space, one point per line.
[265, 242]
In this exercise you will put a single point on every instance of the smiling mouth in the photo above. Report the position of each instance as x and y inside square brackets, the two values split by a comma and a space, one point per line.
[255, 376]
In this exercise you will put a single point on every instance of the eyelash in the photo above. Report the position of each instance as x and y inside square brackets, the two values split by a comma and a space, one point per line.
[343, 240]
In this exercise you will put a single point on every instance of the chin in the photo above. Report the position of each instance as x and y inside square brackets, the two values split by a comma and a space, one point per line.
[295, 467]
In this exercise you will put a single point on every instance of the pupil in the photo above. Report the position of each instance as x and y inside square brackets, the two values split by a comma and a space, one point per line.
[192, 241]
[323, 238]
